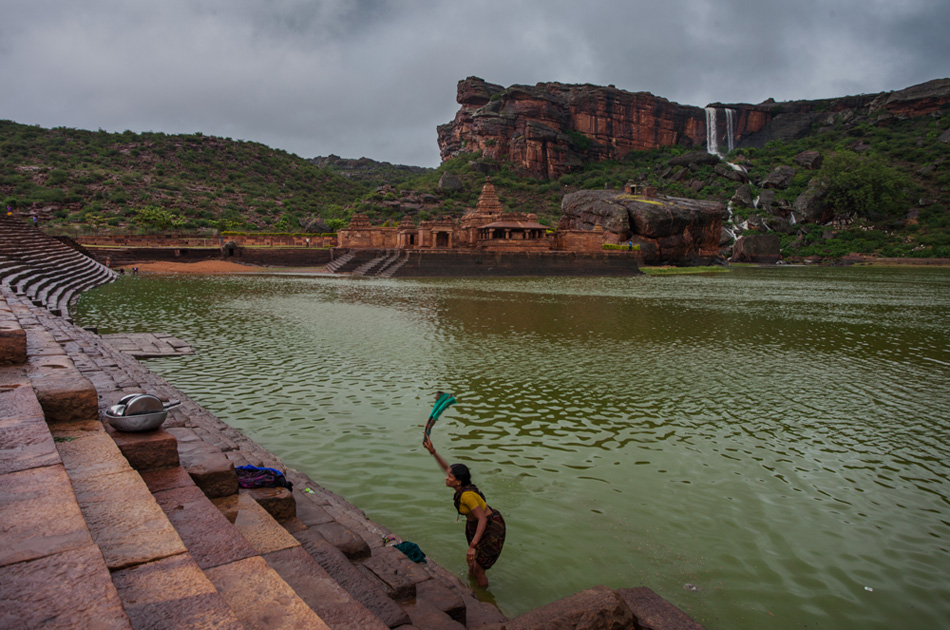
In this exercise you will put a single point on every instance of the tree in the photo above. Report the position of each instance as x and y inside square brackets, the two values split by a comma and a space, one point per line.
[157, 218]
[864, 187]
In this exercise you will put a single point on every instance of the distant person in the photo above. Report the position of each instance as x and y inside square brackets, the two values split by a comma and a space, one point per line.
[35, 221]
[135, 271]
[485, 527]
[630, 246]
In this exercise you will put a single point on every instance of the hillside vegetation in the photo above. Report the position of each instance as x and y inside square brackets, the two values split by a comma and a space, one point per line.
[876, 188]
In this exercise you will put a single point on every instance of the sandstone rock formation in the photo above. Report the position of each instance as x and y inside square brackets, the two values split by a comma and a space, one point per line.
[668, 230]
[551, 128]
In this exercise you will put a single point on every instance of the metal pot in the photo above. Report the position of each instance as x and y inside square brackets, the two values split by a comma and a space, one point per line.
[139, 412]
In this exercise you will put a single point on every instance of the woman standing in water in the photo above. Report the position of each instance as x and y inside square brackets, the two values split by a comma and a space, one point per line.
[485, 527]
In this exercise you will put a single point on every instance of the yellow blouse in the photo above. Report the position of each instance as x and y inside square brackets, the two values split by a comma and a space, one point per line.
[469, 500]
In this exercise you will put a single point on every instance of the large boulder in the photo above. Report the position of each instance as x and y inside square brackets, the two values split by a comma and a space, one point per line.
[757, 248]
[781, 178]
[810, 160]
[811, 206]
[450, 182]
[743, 196]
[669, 230]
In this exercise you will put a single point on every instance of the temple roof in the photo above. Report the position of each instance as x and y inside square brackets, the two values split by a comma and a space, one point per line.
[488, 200]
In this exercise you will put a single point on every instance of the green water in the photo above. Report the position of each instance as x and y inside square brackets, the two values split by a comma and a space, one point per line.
[764, 448]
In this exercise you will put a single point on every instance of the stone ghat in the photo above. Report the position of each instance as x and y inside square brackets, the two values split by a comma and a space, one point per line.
[43, 269]
[120, 530]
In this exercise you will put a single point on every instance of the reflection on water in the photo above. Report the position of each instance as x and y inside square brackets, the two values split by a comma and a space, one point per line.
[776, 437]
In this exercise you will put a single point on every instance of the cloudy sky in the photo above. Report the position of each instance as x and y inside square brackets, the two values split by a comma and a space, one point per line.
[374, 78]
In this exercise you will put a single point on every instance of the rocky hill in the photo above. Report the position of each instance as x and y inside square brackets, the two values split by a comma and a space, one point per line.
[551, 129]
[369, 171]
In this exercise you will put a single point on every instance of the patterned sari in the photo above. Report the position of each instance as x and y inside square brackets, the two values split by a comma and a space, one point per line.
[493, 538]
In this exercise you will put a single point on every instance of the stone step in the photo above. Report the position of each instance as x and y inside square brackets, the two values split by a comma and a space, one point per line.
[211, 470]
[51, 572]
[12, 337]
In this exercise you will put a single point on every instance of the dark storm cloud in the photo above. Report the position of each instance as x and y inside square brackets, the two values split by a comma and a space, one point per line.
[374, 78]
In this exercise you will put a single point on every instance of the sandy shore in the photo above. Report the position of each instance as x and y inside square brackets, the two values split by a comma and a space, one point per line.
[210, 267]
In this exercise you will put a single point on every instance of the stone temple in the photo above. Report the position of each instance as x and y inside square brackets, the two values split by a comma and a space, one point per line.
[487, 227]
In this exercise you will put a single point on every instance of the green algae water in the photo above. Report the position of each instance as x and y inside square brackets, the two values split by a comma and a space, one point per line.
[764, 448]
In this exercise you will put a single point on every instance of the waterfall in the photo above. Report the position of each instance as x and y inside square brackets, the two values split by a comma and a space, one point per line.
[712, 146]
[730, 128]
[712, 141]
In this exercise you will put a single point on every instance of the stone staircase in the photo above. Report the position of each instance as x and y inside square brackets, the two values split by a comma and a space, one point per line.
[43, 269]
[378, 263]
[393, 265]
[135, 530]
[370, 262]
[338, 265]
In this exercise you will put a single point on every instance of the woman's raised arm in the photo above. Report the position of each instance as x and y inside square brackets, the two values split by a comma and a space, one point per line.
[431, 448]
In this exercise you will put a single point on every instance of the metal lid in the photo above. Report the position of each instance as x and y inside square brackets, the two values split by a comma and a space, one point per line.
[143, 403]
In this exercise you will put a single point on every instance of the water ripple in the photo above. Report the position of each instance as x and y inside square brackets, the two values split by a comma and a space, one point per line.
[778, 438]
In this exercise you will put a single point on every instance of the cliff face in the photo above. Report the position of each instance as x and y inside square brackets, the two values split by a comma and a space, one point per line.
[549, 129]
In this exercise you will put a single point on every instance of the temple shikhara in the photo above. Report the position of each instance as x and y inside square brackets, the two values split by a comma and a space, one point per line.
[487, 227]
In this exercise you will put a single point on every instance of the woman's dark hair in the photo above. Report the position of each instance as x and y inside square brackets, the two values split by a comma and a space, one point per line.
[461, 472]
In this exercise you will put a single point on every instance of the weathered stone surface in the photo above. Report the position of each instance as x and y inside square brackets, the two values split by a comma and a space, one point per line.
[260, 598]
[757, 248]
[125, 521]
[743, 196]
[438, 594]
[480, 614]
[173, 593]
[146, 450]
[780, 178]
[207, 534]
[48, 520]
[810, 160]
[396, 571]
[652, 612]
[364, 590]
[62, 591]
[40, 342]
[668, 230]
[309, 511]
[328, 599]
[811, 206]
[65, 397]
[278, 502]
[450, 182]
[167, 479]
[597, 608]
[208, 466]
[724, 170]
[550, 128]
[92, 456]
[25, 442]
[424, 615]
[344, 539]
[12, 344]
[257, 526]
